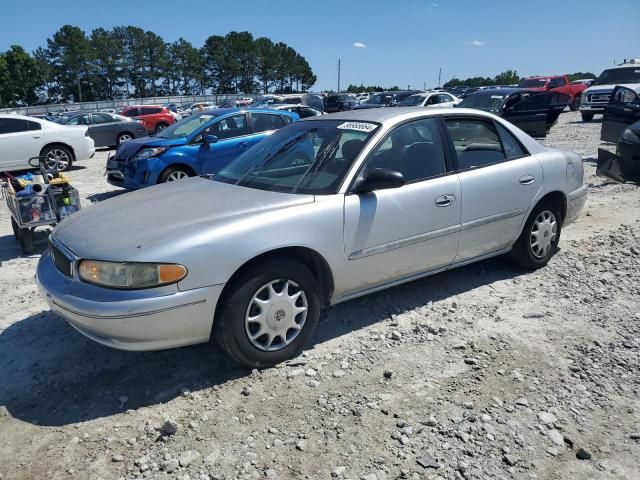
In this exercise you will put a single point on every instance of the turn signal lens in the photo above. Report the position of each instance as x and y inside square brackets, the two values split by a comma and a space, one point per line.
[130, 275]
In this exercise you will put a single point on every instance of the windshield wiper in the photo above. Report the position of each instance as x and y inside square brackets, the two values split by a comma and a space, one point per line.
[328, 151]
[284, 148]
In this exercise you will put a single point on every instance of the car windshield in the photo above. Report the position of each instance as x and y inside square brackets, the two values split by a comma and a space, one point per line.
[487, 101]
[186, 126]
[304, 157]
[411, 101]
[532, 83]
[619, 75]
[380, 99]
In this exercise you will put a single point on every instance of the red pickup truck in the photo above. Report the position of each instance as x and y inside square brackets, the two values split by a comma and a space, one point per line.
[556, 83]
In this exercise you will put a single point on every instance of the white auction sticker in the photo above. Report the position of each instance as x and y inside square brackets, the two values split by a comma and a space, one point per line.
[360, 126]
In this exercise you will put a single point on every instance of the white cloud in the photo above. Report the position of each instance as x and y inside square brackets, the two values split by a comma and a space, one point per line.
[434, 4]
[476, 43]
[359, 45]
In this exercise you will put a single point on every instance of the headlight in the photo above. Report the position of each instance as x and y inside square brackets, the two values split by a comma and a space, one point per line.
[130, 275]
[630, 136]
[149, 153]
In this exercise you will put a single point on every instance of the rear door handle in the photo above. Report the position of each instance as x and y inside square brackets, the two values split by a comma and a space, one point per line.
[527, 179]
[243, 144]
[445, 200]
[36, 136]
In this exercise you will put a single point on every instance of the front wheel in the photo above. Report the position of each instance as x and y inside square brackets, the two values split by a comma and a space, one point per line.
[173, 174]
[269, 314]
[539, 239]
[575, 105]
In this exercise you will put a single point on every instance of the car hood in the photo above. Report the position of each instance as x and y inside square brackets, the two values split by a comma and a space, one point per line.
[130, 148]
[143, 225]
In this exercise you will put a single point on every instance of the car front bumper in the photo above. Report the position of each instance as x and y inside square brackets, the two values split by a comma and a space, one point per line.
[150, 319]
[592, 108]
[575, 204]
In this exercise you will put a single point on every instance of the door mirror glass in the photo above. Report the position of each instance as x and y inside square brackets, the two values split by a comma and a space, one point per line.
[380, 179]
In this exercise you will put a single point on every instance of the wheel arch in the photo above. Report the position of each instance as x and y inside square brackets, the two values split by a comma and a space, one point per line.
[313, 260]
[60, 144]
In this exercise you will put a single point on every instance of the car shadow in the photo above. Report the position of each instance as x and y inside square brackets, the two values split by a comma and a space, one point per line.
[99, 197]
[51, 375]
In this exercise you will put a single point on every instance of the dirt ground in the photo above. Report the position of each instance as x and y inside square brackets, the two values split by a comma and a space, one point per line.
[485, 372]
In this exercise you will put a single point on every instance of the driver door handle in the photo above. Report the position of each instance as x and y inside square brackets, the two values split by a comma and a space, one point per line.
[527, 179]
[445, 200]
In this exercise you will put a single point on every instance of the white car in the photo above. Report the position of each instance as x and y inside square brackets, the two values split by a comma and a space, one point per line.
[436, 98]
[23, 137]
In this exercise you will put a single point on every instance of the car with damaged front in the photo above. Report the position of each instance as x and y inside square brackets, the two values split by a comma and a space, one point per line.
[198, 144]
[252, 255]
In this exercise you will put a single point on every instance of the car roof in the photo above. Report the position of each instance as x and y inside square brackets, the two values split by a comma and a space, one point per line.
[391, 114]
[226, 111]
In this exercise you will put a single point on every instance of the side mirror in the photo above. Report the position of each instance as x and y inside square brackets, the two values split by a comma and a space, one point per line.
[379, 179]
[208, 139]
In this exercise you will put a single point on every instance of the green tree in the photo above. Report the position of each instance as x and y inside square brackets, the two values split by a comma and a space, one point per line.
[507, 77]
[23, 77]
[69, 54]
[265, 63]
[108, 53]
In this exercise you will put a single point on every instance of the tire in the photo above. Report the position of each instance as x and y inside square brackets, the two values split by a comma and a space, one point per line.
[575, 105]
[123, 138]
[173, 174]
[59, 158]
[161, 126]
[543, 226]
[15, 228]
[25, 239]
[586, 116]
[232, 327]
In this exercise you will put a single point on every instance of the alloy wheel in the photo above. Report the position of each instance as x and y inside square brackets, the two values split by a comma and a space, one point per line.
[177, 175]
[57, 159]
[125, 137]
[543, 233]
[276, 315]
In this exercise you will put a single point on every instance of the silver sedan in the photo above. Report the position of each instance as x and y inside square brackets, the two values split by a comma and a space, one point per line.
[322, 211]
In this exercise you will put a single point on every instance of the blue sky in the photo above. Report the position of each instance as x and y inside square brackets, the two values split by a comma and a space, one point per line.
[403, 42]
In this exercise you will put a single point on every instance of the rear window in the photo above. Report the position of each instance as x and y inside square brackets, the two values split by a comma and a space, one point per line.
[619, 75]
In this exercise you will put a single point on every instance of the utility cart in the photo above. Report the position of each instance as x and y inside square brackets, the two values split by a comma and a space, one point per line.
[38, 204]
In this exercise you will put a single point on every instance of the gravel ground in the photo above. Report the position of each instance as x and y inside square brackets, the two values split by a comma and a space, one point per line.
[485, 372]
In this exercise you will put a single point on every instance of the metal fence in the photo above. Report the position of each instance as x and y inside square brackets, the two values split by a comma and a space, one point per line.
[119, 104]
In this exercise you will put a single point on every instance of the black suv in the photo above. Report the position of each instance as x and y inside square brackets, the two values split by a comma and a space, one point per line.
[339, 103]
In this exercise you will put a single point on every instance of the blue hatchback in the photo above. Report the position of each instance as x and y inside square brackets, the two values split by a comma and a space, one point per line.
[199, 144]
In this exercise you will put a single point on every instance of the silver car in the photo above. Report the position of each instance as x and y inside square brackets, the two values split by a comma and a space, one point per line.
[322, 211]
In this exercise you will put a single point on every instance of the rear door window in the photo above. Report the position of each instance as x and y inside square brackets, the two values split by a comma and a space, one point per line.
[510, 144]
[133, 112]
[79, 120]
[476, 142]
[102, 118]
[13, 125]
[150, 110]
[263, 122]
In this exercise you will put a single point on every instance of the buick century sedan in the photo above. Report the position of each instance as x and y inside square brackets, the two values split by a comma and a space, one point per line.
[252, 255]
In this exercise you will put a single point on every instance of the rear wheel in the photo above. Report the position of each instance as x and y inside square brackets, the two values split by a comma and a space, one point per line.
[586, 116]
[59, 158]
[269, 314]
[15, 228]
[173, 174]
[25, 239]
[539, 239]
[161, 126]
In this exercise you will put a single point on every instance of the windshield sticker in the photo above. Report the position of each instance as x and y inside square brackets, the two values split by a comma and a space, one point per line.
[497, 96]
[359, 126]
